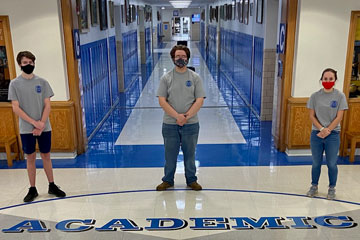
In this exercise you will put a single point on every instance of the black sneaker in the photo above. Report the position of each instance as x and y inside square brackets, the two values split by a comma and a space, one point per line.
[53, 189]
[32, 194]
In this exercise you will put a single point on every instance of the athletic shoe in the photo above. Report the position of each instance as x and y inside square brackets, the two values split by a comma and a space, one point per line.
[55, 190]
[312, 191]
[32, 194]
[331, 193]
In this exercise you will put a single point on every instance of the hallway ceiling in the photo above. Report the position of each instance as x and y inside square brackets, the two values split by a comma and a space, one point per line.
[166, 3]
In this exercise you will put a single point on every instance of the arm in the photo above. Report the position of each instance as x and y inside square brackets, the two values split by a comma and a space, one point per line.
[44, 117]
[194, 108]
[336, 121]
[46, 111]
[323, 133]
[314, 120]
[327, 130]
[180, 118]
[45, 114]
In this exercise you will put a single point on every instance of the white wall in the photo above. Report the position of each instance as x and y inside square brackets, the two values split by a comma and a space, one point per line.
[270, 19]
[36, 26]
[195, 31]
[323, 29]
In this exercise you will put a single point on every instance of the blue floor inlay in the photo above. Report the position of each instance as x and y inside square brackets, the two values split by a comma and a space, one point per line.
[173, 190]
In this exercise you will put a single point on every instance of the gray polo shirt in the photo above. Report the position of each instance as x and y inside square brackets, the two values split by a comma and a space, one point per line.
[326, 106]
[181, 90]
[30, 93]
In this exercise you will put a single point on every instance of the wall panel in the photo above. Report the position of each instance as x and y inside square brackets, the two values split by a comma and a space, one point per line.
[353, 118]
[62, 118]
[299, 124]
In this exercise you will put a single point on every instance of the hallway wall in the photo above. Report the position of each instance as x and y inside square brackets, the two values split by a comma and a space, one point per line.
[322, 35]
[40, 33]
[243, 50]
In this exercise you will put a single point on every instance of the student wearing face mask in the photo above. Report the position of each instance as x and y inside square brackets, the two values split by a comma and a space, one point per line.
[30, 98]
[326, 111]
[181, 95]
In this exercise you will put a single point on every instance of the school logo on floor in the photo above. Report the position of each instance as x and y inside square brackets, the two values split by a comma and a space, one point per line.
[204, 223]
[179, 215]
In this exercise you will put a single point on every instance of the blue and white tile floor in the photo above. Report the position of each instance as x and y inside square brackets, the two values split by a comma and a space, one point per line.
[246, 180]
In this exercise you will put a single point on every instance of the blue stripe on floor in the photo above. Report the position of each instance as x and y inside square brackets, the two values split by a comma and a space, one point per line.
[172, 190]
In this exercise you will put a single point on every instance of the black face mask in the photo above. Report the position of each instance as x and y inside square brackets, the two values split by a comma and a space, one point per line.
[28, 69]
[181, 62]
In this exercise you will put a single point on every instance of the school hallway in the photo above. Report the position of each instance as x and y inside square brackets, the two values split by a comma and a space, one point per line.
[248, 185]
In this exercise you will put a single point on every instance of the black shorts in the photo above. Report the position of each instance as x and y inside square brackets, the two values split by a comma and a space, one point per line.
[29, 141]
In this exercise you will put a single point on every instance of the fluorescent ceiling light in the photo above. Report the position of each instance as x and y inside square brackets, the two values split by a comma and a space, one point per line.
[180, 4]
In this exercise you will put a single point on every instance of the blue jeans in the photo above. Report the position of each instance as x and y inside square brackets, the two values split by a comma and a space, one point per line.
[175, 136]
[330, 145]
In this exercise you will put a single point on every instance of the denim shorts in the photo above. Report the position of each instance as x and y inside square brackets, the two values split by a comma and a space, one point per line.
[28, 141]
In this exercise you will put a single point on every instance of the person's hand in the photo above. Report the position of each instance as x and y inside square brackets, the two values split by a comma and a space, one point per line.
[39, 125]
[320, 135]
[324, 133]
[37, 132]
[181, 120]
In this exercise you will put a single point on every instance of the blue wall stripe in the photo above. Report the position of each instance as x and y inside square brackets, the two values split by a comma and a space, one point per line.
[113, 70]
[95, 81]
[258, 72]
[211, 59]
[241, 62]
[130, 58]
[147, 44]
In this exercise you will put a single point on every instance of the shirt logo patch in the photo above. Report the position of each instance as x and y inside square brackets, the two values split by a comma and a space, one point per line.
[333, 104]
[188, 83]
[38, 89]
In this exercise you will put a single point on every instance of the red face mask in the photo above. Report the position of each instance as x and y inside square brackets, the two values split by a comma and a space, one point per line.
[328, 85]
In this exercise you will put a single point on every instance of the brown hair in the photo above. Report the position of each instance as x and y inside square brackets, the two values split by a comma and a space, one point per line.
[329, 70]
[26, 54]
[180, 47]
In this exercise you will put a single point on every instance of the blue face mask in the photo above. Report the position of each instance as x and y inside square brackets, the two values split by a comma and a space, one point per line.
[181, 62]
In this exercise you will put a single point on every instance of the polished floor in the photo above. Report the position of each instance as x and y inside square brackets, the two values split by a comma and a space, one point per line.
[251, 191]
